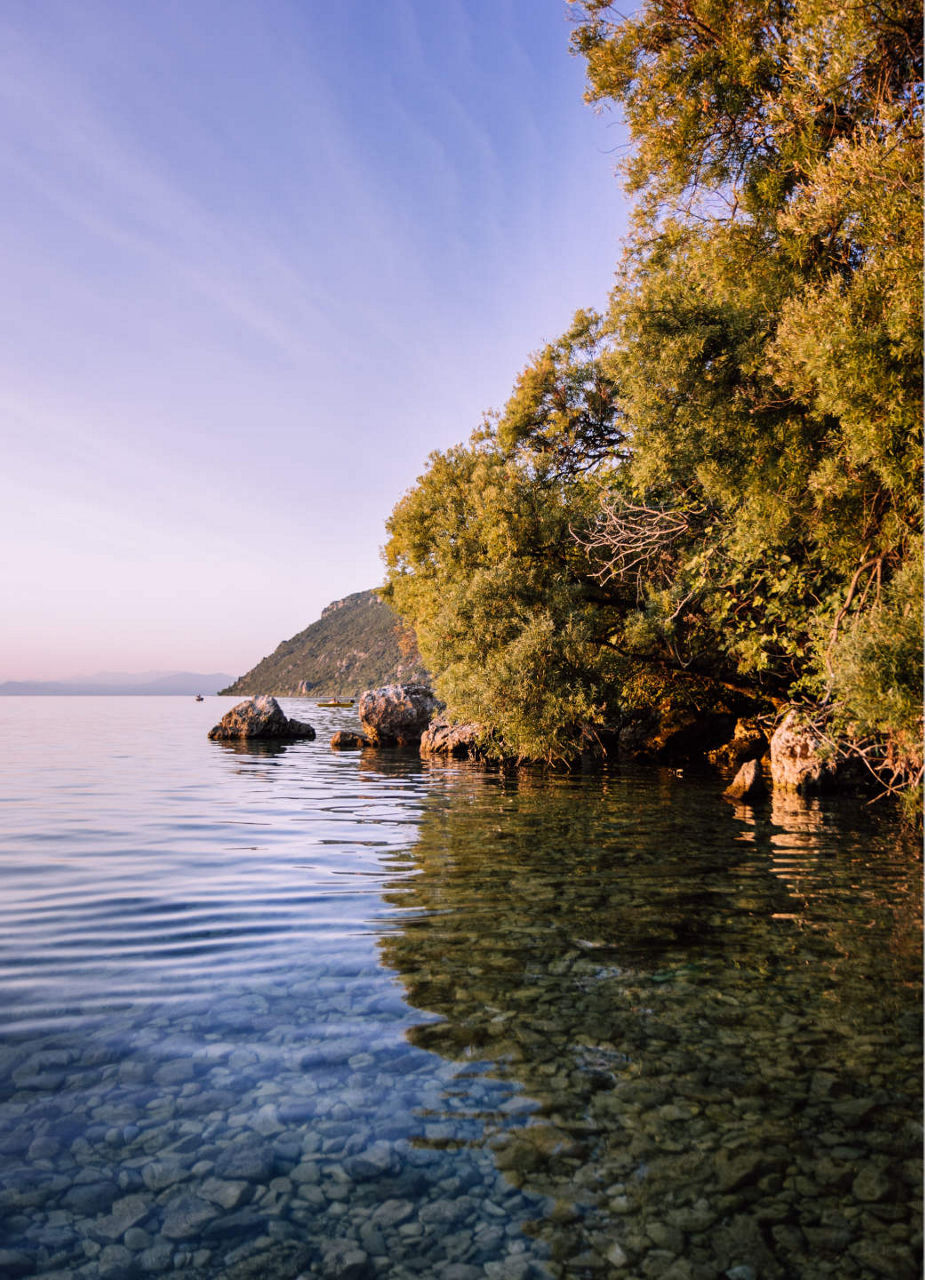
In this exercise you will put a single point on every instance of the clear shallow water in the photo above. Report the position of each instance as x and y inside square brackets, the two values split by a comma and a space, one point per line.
[279, 1012]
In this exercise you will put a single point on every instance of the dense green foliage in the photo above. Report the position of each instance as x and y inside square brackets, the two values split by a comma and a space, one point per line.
[358, 643]
[722, 476]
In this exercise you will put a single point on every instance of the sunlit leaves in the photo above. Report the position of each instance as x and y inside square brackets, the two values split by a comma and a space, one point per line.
[720, 479]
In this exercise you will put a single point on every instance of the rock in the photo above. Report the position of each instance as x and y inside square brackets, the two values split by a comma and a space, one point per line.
[90, 1199]
[115, 1263]
[246, 1159]
[125, 1214]
[665, 1237]
[738, 1169]
[827, 1239]
[160, 1174]
[885, 1258]
[343, 740]
[229, 1195]
[344, 1260]
[397, 714]
[444, 738]
[266, 1121]
[44, 1148]
[15, 1263]
[392, 1212]
[242, 1222]
[615, 1256]
[373, 1241]
[747, 743]
[440, 1214]
[156, 1260]
[177, 1071]
[748, 784]
[798, 759]
[186, 1216]
[871, 1184]
[137, 1239]
[260, 717]
[853, 1111]
[374, 1162]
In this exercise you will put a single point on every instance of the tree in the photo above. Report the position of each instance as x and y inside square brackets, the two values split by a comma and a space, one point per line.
[480, 559]
[720, 480]
[767, 319]
[564, 408]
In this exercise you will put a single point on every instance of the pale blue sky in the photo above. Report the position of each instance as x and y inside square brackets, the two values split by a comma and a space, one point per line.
[260, 257]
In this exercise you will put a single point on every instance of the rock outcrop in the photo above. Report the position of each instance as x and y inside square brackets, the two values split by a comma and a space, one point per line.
[799, 759]
[443, 737]
[344, 740]
[748, 784]
[397, 714]
[747, 743]
[260, 717]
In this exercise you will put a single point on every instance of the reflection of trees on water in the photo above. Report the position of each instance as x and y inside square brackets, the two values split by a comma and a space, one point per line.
[709, 1007]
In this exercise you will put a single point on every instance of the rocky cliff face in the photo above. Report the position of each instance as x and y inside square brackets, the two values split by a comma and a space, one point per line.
[358, 643]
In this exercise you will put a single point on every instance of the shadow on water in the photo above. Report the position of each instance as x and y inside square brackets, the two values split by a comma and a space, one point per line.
[711, 1012]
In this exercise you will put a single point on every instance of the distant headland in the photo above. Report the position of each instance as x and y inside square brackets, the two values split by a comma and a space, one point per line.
[358, 643]
[150, 683]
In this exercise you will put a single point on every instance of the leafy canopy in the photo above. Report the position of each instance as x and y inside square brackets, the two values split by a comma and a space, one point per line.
[722, 475]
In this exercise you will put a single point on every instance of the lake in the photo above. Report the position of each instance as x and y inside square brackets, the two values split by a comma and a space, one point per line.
[275, 1011]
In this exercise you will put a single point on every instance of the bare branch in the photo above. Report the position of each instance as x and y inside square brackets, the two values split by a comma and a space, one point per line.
[631, 540]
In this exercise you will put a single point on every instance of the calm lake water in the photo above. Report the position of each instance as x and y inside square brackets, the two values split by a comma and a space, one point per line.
[278, 1012]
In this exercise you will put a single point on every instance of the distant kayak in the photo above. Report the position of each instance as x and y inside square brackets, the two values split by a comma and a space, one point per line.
[334, 703]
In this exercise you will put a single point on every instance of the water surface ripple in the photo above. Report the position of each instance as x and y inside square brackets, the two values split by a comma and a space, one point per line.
[278, 1011]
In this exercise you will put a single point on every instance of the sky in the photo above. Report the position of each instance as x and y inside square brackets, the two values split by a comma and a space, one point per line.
[260, 258]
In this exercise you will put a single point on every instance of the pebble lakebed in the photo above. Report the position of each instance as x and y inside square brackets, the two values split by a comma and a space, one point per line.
[600, 1028]
[223, 1153]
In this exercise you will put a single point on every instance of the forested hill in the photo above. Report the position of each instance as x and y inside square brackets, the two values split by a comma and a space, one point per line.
[357, 643]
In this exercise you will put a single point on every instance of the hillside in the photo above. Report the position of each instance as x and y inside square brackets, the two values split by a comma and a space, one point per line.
[357, 643]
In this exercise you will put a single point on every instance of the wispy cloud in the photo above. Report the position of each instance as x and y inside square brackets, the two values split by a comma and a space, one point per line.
[56, 142]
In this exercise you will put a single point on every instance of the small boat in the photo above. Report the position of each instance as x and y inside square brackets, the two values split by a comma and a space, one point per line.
[200, 698]
[334, 702]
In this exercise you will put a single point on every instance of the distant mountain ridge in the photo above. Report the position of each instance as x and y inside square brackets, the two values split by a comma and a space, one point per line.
[358, 643]
[168, 682]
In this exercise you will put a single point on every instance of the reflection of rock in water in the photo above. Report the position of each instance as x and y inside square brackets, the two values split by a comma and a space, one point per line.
[722, 1061]
[259, 749]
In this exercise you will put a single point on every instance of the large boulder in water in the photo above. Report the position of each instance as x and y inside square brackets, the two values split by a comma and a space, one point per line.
[397, 714]
[748, 784]
[344, 740]
[800, 760]
[260, 717]
[443, 737]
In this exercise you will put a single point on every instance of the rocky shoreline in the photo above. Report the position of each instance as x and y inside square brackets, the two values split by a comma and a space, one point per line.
[794, 755]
